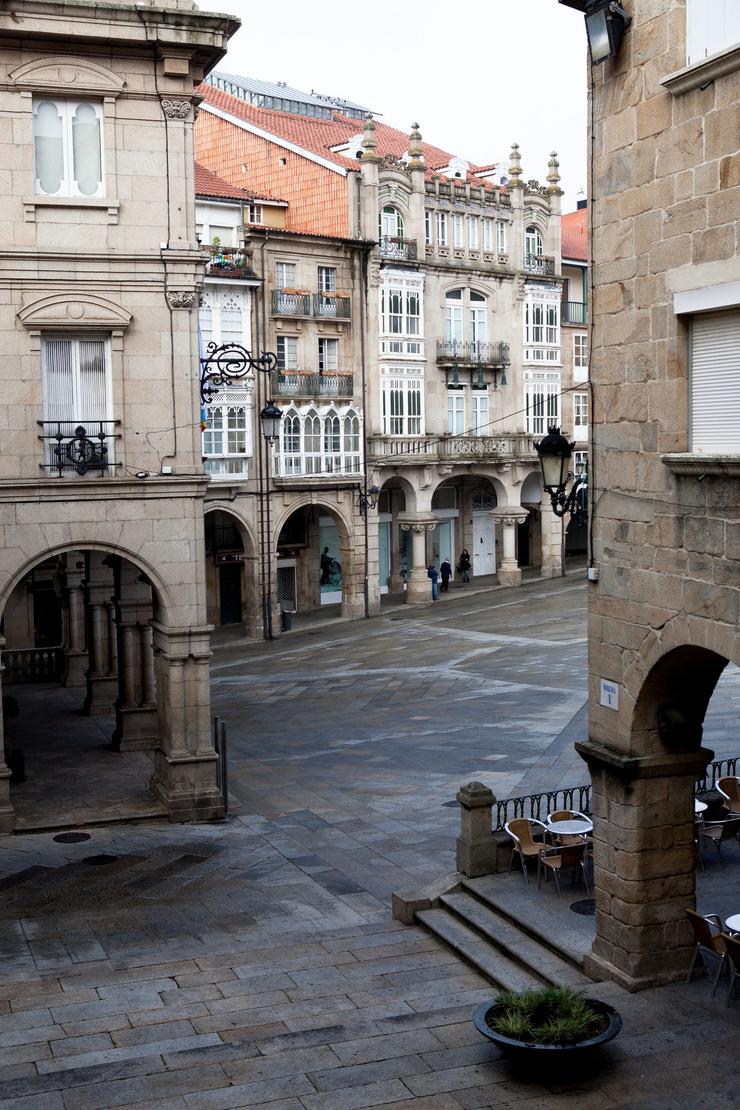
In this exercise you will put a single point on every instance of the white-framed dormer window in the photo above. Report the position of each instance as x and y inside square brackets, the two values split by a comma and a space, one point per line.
[255, 214]
[487, 224]
[68, 147]
[711, 26]
[580, 416]
[457, 231]
[428, 227]
[473, 233]
[580, 357]
[441, 229]
[390, 223]
[76, 390]
[328, 355]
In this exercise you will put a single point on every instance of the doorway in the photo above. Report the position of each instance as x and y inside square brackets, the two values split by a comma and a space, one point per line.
[484, 544]
[230, 592]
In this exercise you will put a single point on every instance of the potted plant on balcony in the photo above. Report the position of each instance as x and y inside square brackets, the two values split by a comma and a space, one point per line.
[546, 1025]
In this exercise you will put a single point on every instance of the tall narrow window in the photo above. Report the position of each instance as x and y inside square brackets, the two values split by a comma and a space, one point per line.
[231, 321]
[403, 406]
[441, 229]
[473, 233]
[487, 233]
[76, 388]
[287, 352]
[542, 402]
[391, 223]
[480, 414]
[457, 231]
[428, 227]
[532, 242]
[478, 328]
[68, 148]
[455, 413]
[453, 316]
[312, 440]
[352, 457]
[328, 355]
[580, 415]
[291, 435]
[285, 275]
[501, 237]
[327, 278]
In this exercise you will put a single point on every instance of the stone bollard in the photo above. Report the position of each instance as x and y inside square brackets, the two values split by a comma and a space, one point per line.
[476, 849]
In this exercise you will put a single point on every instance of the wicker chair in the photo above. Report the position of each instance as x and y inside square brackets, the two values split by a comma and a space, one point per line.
[521, 830]
[732, 950]
[561, 859]
[729, 788]
[569, 815]
[709, 945]
[718, 831]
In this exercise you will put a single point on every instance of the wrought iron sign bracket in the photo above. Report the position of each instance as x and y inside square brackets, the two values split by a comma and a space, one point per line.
[227, 362]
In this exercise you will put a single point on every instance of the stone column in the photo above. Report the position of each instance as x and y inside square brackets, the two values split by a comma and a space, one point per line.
[508, 573]
[419, 587]
[395, 581]
[552, 540]
[137, 724]
[476, 848]
[75, 652]
[644, 863]
[185, 761]
[7, 813]
[101, 675]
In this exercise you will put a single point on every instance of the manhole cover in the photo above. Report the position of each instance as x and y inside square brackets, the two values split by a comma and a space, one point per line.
[586, 907]
[98, 861]
[71, 838]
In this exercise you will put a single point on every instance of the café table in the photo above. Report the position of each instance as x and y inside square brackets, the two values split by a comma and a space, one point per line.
[732, 924]
[699, 807]
[578, 826]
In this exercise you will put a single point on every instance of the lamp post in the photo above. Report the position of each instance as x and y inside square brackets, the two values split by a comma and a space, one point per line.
[555, 455]
[224, 363]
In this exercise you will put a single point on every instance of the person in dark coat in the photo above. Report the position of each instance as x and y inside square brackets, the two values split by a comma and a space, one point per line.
[445, 573]
[433, 573]
[465, 565]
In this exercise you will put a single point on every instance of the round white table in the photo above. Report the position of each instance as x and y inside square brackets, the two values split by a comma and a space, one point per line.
[576, 827]
[732, 924]
[699, 807]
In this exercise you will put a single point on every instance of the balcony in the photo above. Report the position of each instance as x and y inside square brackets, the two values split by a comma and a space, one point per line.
[323, 465]
[291, 302]
[446, 448]
[296, 383]
[230, 263]
[574, 312]
[394, 246]
[472, 353]
[539, 264]
[331, 306]
[79, 448]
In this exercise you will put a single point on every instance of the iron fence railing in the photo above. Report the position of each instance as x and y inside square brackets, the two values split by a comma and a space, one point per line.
[394, 246]
[290, 304]
[537, 806]
[574, 312]
[293, 383]
[228, 262]
[470, 351]
[331, 306]
[78, 447]
[538, 264]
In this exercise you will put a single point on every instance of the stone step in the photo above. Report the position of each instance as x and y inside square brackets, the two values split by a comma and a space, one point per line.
[503, 972]
[506, 937]
[566, 934]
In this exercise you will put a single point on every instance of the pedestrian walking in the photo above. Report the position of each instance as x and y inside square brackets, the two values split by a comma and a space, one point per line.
[433, 573]
[445, 573]
[465, 565]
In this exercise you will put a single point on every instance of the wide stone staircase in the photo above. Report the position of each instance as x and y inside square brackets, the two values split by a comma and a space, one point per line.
[511, 933]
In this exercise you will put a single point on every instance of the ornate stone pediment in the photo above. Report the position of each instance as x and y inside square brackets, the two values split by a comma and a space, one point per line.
[65, 76]
[63, 311]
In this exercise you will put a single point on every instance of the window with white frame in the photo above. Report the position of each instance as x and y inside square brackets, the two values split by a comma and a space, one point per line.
[255, 214]
[541, 401]
[455, 412]
[711, 26]
[473, 233]
[714, 382]
[332, 443]
[457, 231]
[390, 223]
[580, 416]
[327, 279]
[541, 325]
[487, 223]
[428, 227]
[68, 147]
[580, 462]
[227, 438]
[285, 275]
[401, 316]
[224, 315]
[317, 441]
[502, 238]
[532, 242]
[441, 229]
[465, 317]
[76, 389]
[580, 357]
[403, 412]
[480, 424]
[291, 443]
[286, 349]
[328, 355]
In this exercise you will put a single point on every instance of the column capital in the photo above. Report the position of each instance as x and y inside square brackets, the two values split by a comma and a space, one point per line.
[510, 514]
[408, 523]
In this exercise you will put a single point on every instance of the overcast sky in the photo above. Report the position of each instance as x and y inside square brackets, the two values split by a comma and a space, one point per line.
[476, 75]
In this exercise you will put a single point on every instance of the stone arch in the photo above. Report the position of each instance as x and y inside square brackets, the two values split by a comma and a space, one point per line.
[245, 529]
[672, 702]
[312, 501]
[400, 482]
[233, 583]
[531, 491]
[74, 310]
[320, 558]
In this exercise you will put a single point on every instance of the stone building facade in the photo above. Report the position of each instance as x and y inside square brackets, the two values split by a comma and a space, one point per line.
[664, 361]
[456, 313]
[101, 475]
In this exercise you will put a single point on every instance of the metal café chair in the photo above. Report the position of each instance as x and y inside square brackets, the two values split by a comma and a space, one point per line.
[561, 859]
[729, 788]
[732, 950]
[708, 944]
[718, 831]
[521, 830]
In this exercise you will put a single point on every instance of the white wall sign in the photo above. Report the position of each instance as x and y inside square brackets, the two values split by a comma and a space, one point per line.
[609, 694]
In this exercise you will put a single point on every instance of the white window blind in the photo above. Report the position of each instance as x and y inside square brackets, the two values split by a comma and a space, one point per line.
[68, 148]
[711, 25]
[715, 383]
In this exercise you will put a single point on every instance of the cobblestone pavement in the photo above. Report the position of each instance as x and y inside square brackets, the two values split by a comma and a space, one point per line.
[254, 962]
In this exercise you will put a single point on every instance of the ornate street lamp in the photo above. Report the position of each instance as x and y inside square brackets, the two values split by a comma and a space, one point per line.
[606, 22]
[555, 455]
[367, 500]
[270, 418]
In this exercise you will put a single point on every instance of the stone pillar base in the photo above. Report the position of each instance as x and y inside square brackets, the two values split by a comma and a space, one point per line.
[396, 584]
[186, 786]
[102, 692]
[76, 666]
[600, 969]
[353, 607]
[509, 576]
[137, 729]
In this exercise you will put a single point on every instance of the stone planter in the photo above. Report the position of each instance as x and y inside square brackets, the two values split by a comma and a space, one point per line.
[549, 1054]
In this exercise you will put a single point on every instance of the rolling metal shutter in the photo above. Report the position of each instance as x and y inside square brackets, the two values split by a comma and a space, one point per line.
[715, 383]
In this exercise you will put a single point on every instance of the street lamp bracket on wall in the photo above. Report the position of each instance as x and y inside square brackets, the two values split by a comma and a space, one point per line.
[555, 454]
[367, 500]
[227, 362]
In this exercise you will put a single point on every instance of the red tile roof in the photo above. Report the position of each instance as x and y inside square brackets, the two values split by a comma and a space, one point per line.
[209, 184]
[319, 135]
[574, 231]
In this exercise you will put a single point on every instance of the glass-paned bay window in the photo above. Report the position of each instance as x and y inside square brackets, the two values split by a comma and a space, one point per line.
[403, 412]
[317, 442]
[401, 318]
[227, 440]
[541, 326]
[291, 442]
[332, 444]
[68, 147]
[542, 402]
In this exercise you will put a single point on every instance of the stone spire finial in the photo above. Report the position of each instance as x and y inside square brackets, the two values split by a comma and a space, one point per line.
[416, 149]
[515, 168]
[553, 177]
[369, 142]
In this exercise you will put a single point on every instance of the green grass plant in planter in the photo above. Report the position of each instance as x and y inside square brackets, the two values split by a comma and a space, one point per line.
[547, 1021]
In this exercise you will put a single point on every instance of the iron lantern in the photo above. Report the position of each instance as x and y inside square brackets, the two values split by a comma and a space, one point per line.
[270, 418]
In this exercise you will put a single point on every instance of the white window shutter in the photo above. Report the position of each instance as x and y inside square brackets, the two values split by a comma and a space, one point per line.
[58, 380]
[92, 402]
[715, 383]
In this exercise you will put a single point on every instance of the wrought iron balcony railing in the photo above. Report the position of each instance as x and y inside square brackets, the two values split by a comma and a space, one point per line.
[326, 464]
[69, 446]
[539, 264]
[473, 353]
[228, 262]
[574, 312]
[395, 246]
[332, 305]
[288, 303]
[295, 383]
